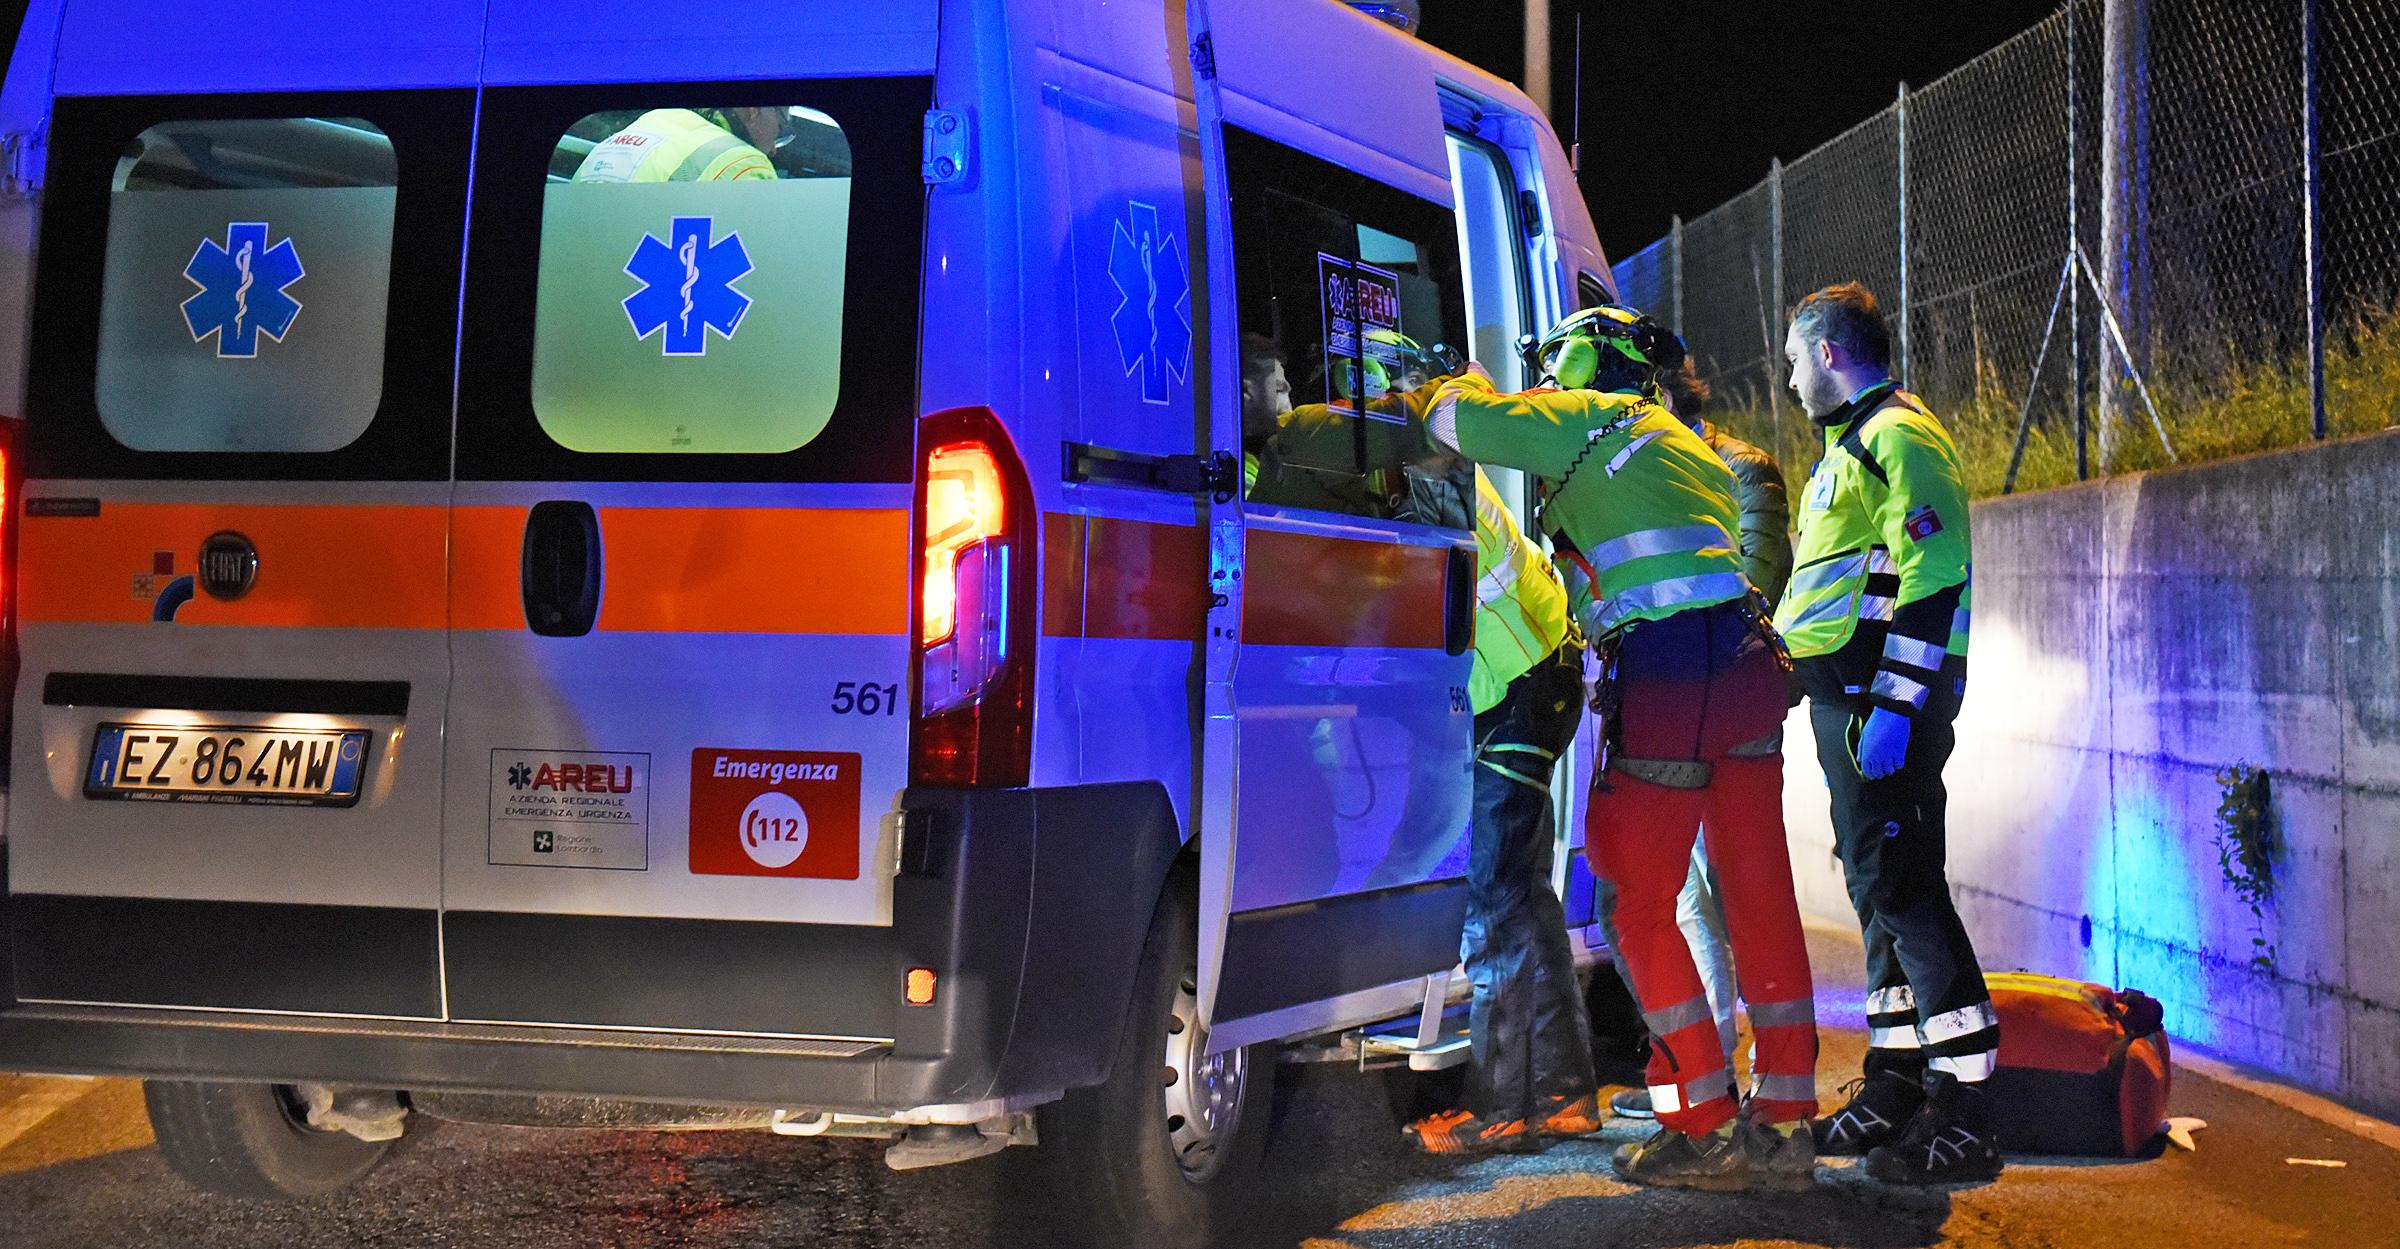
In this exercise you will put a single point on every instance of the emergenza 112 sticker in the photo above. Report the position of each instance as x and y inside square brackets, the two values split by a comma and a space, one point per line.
[774, 813]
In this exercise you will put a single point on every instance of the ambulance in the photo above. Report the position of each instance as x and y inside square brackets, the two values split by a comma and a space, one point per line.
[855, 569]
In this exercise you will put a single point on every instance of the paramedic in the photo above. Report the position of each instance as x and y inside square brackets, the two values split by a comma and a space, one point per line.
[1530, 1072]
[688, 145]
[1692, 693]
[1876, 618]
[1767, 562]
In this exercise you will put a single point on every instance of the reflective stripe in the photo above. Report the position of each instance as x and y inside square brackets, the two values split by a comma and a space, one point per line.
[1958, 1023]
[1892, 1001]
[1680, 540]
[1905, 649]
[1969, 1068]
[1903, 1037]
[1669, 1020]
[1519, 777]
[1822, 609]
[1875, 607]
[1698, 590]
[1890, 685]
[1798, 1010]
[1826, 573]
[1622, 457]
[1519, 748]
[1667, 1099]
[703, 156]
[1496, 584]
[1879, 559]
[1784, 1088]
[1958, 623]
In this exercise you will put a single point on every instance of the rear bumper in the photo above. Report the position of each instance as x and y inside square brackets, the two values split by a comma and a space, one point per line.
[1030, 906]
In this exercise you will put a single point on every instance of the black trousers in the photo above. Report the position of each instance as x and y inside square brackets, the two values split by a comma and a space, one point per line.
[1926, 1001]
[1530, 1037]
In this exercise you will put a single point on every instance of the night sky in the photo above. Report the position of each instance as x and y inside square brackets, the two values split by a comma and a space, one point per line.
[1699, 96]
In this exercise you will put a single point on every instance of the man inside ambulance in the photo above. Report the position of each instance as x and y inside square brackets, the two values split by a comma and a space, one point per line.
[691, 145]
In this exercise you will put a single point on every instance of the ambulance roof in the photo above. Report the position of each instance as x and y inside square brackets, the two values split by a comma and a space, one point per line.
[110, 47]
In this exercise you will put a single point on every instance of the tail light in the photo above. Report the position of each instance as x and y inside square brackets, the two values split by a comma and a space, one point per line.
[975, 587]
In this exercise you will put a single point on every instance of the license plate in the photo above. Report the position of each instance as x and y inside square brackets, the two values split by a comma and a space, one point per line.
[178, 763]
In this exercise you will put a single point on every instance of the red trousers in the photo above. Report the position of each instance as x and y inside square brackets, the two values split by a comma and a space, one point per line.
[1691, 688]
[1642, 835]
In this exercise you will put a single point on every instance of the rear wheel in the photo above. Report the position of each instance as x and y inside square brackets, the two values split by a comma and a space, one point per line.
[252, 1140]
[1162, 1152]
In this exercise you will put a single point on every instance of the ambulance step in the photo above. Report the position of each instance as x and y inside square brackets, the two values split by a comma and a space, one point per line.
[1396, 1039]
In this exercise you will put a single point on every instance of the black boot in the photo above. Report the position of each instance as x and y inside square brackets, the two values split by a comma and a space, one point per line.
[1948, 1142]
[1879, 1109]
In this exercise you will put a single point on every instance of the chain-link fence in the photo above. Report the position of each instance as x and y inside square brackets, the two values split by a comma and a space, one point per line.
[2138, 232]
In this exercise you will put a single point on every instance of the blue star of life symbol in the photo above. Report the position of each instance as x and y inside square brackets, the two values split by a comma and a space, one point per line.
[242, 290]
[519, 775]
[687, 286]
[1153, 320]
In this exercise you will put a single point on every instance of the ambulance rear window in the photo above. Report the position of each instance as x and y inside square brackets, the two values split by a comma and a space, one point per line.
[245, 285]
[690, 283]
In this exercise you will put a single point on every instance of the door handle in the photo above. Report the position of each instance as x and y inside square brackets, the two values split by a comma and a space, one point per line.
[1458, 607]
[561, 568]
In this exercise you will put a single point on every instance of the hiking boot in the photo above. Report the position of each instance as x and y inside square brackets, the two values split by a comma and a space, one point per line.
[1462, 1132]
[1572, 1116]
[1785, 1162]
[1949, 1141]
[1633, 1104]
[1717, 1162]
[1879, 1109]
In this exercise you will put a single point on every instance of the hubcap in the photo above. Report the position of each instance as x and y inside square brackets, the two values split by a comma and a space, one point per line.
[1204, 1094]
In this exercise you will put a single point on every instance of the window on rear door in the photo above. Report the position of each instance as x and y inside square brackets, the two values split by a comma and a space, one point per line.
[738, 210]
[675, 282]
[251, 287]
[1350, 313]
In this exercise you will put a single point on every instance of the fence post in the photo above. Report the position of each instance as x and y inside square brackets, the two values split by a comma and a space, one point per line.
[1775, 291]
[2124, 207]
[2075, 382]
[1675, 273]
[1900, 111]
[2312, 194]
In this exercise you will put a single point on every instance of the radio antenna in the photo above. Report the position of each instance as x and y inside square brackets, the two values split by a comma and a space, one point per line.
[1575, 142]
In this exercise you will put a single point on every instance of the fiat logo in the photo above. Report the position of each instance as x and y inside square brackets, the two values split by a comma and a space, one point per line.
[228, 565]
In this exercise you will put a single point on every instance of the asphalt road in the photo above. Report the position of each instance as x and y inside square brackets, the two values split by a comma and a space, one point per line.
[76, 1170]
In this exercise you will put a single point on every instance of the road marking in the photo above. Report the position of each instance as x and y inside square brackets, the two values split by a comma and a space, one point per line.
[39, 1098]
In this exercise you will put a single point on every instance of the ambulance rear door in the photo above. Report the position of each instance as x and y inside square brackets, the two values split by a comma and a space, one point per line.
[227, 741]
[680, 594]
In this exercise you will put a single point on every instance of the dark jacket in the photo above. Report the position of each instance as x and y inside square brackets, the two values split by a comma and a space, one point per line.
[1766, 512]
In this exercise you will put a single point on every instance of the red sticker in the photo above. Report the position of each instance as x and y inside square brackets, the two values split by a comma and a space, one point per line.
[774, 813]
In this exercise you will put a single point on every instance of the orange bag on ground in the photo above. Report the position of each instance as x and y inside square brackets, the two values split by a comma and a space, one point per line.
[2083, 1069]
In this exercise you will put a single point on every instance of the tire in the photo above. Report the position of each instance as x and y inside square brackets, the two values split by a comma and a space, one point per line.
[249, 1141]
[1127, 1170]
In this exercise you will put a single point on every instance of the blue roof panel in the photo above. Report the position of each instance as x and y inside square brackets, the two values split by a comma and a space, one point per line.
[538, 41]
[156, 47]
[159, 47]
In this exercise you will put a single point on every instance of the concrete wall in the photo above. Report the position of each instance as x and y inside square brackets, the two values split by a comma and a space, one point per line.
[2131, 638]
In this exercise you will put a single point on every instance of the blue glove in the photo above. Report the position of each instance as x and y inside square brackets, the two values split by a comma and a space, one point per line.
[1882, 744]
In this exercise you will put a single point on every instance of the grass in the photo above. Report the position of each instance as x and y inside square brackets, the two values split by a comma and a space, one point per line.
[2252, 407]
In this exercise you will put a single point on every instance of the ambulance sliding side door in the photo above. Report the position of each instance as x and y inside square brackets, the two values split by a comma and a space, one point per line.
[1348, 689]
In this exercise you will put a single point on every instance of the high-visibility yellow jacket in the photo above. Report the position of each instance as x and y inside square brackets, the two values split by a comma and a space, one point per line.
[674, 145]
[1881, 594]
[1520, 603]
[1634, 491]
